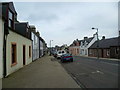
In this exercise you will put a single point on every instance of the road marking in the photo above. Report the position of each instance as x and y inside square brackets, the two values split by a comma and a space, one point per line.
[97, 71]
[100, 72]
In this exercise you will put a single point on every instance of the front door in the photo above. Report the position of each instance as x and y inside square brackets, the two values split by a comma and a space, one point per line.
[23, 54]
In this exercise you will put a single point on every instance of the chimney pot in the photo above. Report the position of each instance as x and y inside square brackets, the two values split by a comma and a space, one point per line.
[103, 37]
[85, 38]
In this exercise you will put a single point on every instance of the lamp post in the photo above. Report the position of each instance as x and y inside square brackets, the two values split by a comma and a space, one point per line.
[50, 46]
[97, 42]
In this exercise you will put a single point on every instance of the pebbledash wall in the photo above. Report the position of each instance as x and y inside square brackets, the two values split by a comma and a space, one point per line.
[13, 37]
[35, 46]
[41, 48]
[74, 50]
[1, 46]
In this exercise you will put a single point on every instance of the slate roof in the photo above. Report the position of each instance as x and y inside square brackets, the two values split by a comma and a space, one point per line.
[10, 5]
[106, 43]
[88, 40]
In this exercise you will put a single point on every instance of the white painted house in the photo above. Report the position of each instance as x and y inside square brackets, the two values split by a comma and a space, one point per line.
[86, 43]
[41, 47]
[1, 46]
[18, 47]
[35, 43]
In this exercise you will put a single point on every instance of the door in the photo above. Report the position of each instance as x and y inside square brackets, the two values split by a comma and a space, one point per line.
[23, 54]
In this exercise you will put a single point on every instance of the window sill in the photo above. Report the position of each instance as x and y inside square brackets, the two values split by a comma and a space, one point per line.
[13, 64]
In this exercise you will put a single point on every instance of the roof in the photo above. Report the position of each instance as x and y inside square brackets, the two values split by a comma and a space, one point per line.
[88, 40]
[32, 26]
[11, 6]
[106, 43]
[80, 41]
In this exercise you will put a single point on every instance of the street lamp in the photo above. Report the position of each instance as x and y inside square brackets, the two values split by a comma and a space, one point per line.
[50, 46]
[97, 43]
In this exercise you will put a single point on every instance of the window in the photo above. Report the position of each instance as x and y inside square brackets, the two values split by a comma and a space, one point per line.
[11, 20]
[107, 52]
[29, 51]
[62, 51]
[77, 50]
[116, 50]
[34, 39]
[13, 53]
[90, 51]
[85, 52]
[59, 52]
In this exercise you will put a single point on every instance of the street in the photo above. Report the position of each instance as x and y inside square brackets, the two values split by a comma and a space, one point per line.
[93, 73]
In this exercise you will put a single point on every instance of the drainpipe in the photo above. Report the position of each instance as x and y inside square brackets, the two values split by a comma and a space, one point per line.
[4, 50]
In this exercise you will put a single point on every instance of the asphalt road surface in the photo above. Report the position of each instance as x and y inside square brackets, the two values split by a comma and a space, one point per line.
[93, 73]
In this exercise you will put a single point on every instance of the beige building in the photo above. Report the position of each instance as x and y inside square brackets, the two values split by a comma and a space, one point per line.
[18, 48]
[74, 48]
[1, 46]
[19, 52]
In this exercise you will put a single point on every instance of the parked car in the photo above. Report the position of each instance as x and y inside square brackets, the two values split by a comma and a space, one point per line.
[66, 57]
[54, 54]
[60, 53]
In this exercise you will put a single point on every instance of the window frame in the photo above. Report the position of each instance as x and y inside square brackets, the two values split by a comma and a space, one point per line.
[15, 61]
[108, 52]
[10, 20]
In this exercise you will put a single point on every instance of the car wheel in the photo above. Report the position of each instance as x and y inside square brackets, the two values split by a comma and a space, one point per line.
[71, 60]
[62, 61]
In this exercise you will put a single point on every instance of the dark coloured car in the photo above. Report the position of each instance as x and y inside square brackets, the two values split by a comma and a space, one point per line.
[54, 53]
[66, 57]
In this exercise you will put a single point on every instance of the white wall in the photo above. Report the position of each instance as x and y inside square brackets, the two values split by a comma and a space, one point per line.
[84, 49]
[1, 46]
[41, 48]
[20, 41]
[93, 40]
[35, 46]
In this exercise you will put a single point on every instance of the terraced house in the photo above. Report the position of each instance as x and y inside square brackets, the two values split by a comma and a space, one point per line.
[74, 48]
[108, 48]
[1, 41]
[41, 48]
[86, 43]
[35, 44]
[18, 46]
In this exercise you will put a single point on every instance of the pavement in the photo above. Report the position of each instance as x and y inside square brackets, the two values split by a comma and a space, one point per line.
[112, 59]
[42, 73]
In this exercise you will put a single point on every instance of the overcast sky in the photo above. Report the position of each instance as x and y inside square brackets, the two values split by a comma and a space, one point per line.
[64, 22]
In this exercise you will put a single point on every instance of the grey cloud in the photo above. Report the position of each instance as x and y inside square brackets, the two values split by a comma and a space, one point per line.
[70, 20]
[42, 17]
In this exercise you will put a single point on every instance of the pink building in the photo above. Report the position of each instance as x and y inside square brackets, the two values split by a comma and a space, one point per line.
[74, 48]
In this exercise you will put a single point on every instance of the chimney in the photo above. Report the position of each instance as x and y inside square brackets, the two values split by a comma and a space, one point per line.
[103, 37]
[37, 33]
[76, 39]
[32, 28]
[85, 38]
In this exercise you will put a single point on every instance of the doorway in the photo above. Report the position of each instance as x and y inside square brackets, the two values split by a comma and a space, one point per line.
[24, 55]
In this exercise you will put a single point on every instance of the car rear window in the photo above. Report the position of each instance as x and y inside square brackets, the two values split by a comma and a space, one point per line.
[59, 52]
[67, 55]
